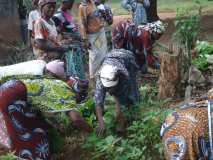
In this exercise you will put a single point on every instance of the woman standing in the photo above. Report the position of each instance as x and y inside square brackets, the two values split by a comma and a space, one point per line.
[107, 16]
[92, 31]
[70, 36]
[46, 45]
[138, 9]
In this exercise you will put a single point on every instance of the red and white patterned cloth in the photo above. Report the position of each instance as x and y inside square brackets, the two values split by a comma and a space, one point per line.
[21, 130]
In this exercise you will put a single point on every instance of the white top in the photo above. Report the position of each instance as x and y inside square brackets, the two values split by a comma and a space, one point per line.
[33, 16]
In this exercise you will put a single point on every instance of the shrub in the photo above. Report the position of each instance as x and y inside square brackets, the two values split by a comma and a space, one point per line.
[188, 30]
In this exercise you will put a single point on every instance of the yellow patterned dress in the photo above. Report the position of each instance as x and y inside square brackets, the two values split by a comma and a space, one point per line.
[47, 94]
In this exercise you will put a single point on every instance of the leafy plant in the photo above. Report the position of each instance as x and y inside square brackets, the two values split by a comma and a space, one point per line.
[205, 51]
[142, 140]
[201, 63]
[9, 156]
[188, 30]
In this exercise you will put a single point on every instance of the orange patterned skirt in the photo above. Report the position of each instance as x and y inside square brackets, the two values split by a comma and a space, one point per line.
[185, 134]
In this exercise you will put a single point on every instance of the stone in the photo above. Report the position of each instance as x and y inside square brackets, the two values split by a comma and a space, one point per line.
[188, 93]
[195, 77]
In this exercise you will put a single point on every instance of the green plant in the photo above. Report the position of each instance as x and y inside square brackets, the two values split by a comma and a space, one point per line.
[142, 140]
[188, 30]
[205, 51]
[201, 63]
[9, 156]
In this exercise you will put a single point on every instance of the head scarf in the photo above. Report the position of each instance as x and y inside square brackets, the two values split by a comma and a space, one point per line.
[108, 75]
[154, 27]
[56, 67]
[41, 3]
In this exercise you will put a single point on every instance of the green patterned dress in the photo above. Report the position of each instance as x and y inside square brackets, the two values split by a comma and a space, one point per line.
[50, 95]
[47, 94]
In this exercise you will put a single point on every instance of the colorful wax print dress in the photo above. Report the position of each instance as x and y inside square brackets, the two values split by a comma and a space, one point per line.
[22, 131]
[185, 133]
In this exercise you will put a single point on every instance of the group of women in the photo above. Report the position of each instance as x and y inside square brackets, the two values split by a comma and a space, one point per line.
[56, 81]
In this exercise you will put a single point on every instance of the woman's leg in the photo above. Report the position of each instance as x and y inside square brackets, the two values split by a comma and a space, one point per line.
[119, 117]
[79, 121]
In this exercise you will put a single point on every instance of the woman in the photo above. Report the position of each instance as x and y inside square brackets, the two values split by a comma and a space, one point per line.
[108, 18]
[45, 92]
[138, 9]
[68, 29]
[92, 32]
[139, 40]
[22, 130]
[117, 76]
[46, 45]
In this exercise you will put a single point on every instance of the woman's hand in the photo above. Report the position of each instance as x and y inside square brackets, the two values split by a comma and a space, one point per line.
[101, 127]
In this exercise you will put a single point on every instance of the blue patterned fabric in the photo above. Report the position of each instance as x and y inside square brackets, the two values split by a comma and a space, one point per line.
[138, 10]
[71, 37]
[74, 61]
[127, 89]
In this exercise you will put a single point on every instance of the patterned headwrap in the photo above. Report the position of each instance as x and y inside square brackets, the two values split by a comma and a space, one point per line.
[154, 27]
[41, 3]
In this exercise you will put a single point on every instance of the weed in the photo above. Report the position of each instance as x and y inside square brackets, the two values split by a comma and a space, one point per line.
[9, 156]
[142, 140]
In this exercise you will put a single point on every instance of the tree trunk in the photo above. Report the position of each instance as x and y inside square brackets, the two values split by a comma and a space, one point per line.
[170, 74]
[152, 13]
